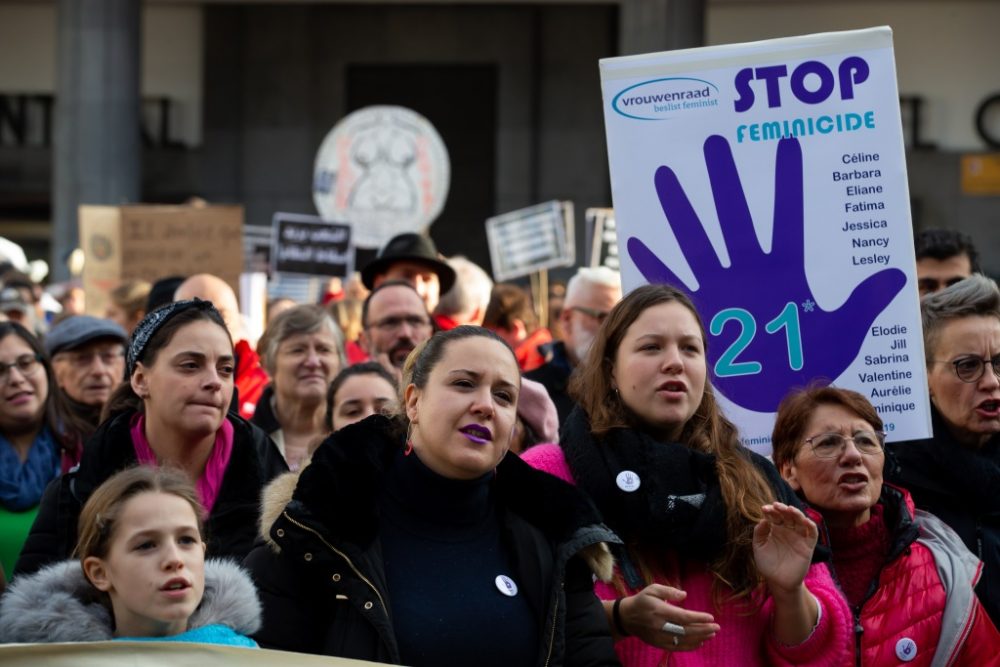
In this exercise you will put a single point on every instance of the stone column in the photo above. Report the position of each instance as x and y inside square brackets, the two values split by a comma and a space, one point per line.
[646, 26]
[97, 150]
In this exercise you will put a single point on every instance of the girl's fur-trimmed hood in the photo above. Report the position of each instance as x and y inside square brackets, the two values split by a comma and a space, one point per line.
[58, 604]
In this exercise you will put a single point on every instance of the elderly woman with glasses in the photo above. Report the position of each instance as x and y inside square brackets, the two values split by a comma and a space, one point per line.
[955, 474]
[907, 576]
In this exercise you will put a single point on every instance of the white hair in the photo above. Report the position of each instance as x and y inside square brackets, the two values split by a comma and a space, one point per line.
[471, 291]
[588, 277]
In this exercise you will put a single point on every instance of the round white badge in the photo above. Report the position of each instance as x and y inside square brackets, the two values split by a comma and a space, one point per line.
[385, 170]
[506, 585]
[906, 649]
[627, 481]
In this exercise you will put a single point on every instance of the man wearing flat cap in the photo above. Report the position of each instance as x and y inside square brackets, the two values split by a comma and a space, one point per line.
[88, 358]
[411, 258]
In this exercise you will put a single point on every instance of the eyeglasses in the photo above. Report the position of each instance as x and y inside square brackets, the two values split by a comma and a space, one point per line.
[831, 445]
[970, 369]
[84, 359]
[599, 315]
[393, 324]
[26, 364]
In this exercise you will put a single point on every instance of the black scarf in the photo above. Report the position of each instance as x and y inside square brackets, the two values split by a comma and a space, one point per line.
[678, 504]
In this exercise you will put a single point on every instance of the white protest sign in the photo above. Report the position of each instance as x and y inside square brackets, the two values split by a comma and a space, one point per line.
[768, 181]
[531, 239]
[385, 170]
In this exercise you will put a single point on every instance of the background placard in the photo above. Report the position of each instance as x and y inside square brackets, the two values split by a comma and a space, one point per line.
[531, 239]
[310, 246]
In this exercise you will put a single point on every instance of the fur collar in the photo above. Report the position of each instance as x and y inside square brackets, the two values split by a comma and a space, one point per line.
[58, 604]
[346, 473]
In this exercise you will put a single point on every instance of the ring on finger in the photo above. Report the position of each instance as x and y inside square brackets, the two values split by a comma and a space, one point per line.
[673, 629]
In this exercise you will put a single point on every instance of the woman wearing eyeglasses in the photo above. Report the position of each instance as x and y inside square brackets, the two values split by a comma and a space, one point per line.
[955, 474]
[907, 576]
[32, 449]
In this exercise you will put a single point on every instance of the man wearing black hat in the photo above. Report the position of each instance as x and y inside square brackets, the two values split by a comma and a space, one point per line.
[88, 358]
[411, 258]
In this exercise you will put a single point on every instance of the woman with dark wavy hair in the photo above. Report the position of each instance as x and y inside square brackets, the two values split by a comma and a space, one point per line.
[173, 410]
[717, 566]
[33, 447]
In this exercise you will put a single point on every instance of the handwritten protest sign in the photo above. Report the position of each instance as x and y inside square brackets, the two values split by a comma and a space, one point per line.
[308, 245]
[768, 181]
[531, 239]
[149, 242]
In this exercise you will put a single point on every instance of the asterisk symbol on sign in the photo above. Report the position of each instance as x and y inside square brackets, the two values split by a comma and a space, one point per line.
[808, 305]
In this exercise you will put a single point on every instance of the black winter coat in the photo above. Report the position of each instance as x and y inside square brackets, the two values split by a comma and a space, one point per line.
[960, 486]
[230, 528]
[322, 580]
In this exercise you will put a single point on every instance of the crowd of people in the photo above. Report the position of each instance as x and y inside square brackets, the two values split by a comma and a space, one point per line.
[421, 470]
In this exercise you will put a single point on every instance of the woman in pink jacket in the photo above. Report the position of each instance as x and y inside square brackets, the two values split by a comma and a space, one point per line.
[718, 566]
[908, 577]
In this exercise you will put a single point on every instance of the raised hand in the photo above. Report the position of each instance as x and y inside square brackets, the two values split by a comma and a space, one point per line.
[761, 308]
[783, 544]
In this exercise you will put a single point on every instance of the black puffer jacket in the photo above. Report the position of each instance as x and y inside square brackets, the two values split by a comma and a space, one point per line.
[321, 575]
[230, 528]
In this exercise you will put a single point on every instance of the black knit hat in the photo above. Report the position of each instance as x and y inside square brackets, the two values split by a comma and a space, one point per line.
[408, 247]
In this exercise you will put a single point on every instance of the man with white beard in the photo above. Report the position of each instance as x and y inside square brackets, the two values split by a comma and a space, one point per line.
[590, 295]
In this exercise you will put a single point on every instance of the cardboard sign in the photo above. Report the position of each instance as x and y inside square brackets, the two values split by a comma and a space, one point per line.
[531, 239]
[310, 246]
[768, 181]
[385, 170]
[150, 242]
[603, 238]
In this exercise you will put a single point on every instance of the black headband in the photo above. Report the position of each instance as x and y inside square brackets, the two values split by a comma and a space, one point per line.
[152, 323]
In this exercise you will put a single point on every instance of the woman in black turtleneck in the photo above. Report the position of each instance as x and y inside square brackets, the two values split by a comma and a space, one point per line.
[414, 540]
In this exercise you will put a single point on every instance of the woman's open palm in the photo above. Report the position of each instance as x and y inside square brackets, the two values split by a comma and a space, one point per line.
[783, 544]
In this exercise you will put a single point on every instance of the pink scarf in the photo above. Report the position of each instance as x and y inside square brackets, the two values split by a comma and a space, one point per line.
[215, 468]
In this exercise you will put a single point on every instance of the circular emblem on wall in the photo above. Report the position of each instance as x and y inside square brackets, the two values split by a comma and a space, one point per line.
[100, 247]
[385, 170]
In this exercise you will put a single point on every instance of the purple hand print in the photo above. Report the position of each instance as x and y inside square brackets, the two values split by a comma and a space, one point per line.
[766, 333]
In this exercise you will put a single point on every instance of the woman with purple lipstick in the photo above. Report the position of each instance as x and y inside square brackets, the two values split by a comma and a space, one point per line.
[415, 539]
